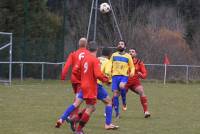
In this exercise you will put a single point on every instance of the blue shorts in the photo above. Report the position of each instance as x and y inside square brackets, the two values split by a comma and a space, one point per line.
[101, 93]
[116, 81]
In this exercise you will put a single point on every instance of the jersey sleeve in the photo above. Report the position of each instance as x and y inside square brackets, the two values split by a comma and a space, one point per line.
[65, 69]
[97, 72]
[131, 66]
[143, 70]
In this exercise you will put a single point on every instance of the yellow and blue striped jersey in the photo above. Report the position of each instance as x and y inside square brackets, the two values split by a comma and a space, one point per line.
[121, 64]
[105, 67]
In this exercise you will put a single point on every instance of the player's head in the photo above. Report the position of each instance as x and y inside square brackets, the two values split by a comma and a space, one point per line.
[121, 46]
[82, 42]
[132, 52]
[93, 47]
[106, 52]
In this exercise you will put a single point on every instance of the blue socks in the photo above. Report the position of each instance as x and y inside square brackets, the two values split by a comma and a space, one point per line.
[67, 112]
[123, 94]
[108, 111]
[116, 104]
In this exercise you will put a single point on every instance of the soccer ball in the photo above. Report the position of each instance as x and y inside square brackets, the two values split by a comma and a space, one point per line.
[104, 7]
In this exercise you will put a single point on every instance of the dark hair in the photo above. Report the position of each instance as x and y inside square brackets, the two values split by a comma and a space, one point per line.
[122, 41]
[132, 48]
[106, 51]
[92, 46]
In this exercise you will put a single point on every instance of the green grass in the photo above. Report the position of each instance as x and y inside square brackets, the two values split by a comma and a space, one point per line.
[33, 107]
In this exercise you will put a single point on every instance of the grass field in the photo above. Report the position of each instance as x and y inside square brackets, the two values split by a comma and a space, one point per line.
[33, 107]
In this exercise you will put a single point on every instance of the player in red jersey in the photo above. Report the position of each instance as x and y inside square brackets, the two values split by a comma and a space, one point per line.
[73, 59]
[90, 71]
[134, 83]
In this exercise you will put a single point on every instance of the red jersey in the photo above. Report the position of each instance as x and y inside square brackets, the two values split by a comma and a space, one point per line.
[139, 67]
[90, 71]
[73, 59]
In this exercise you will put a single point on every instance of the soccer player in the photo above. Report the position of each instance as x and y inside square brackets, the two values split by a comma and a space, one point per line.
[73, 59]
[134, 83]
[121, 64]
[102, 93]
[90, 71]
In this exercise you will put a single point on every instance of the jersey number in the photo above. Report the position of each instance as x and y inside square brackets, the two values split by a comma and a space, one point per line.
[81, 55]
[85, 67]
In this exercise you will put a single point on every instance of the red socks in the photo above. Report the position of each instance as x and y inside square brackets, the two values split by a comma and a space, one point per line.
[84, 119]
[74, 113]
[143, 100]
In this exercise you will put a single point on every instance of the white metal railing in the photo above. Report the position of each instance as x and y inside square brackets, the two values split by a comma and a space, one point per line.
[187, 67]
[10, 54]
[39, 63]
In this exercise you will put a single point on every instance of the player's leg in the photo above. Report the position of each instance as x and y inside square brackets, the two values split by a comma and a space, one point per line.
[76, 88]
[123, 95]
[103, 96]
[108, 111]
[74, 116]
[124, 80]
[79, 115]
[129, 86]
[116, 102]
[69, 110]
[143, 99]
[72, 107]
[115, 89]
[90, 108]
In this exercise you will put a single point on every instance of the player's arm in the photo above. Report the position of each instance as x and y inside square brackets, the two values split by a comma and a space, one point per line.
[97, 72]
[143, 71]
[66, 67]
[131, 66]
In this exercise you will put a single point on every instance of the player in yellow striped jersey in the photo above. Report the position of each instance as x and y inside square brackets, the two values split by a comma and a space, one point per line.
[106, 66]
[102, 93]
[122, 67]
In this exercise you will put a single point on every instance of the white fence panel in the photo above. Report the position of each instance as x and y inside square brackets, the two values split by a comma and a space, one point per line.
[155, 71]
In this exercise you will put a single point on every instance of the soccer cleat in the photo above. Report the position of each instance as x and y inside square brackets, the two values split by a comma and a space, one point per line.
[111, 127]
[147, 114]
[72, 124]
[59, 123]
[124, 107]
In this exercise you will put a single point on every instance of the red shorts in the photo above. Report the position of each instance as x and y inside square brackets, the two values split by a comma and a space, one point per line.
[91, 101]
[132, 84]
[76, 87]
